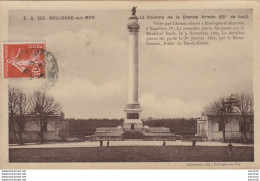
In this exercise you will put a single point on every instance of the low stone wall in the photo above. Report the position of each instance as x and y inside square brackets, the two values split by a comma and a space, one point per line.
[34, 136]
[157, 130]
[75, 138]
[234, 136]
[201, 138]
[104, 138]
[108, 129]
[157, 138]
[187, 137]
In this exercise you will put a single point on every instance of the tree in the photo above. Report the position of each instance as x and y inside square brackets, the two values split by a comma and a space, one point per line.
[18, 107]
[217, 113]
[245, 107]
[12, 108]
[22, 109]
[43, 106]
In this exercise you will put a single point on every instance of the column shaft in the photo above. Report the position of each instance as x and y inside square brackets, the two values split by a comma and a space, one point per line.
[133, 68]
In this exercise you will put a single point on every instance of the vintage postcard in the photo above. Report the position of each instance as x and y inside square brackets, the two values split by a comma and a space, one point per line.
[130, 85]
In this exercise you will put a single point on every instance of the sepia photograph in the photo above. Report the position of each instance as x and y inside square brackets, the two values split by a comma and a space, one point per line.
[129, 85]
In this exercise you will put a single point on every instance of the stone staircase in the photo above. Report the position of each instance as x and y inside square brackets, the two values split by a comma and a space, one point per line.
[133, 135]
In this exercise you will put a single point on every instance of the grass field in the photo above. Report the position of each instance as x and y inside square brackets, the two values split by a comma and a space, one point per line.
[132, 154]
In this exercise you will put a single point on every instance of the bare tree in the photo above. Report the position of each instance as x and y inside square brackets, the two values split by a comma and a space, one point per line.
[12, 107]
[245, 105]
[43, 106]
[217, 113]
[18, 107]
[22, 109]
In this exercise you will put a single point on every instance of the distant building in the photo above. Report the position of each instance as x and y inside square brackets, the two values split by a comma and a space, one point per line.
[213, 131]
[55, 128]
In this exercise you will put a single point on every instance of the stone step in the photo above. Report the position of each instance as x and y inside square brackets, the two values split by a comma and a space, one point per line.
[133, 135]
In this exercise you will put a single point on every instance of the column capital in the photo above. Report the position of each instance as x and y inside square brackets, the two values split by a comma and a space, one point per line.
[133, 25]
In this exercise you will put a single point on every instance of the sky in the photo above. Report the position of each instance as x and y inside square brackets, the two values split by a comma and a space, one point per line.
[92, 58]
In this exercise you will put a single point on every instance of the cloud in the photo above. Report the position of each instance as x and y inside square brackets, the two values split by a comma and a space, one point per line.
[166, 107]
[82, 98]
[89, 54]
[84, 88]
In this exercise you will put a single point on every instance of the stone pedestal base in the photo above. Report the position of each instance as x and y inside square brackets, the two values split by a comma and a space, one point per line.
[133, 125]
[132, 117]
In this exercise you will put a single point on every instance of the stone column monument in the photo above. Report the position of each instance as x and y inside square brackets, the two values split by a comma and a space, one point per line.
[133, 109]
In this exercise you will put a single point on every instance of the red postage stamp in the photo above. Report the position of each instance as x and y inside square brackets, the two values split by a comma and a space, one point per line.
[23, 59]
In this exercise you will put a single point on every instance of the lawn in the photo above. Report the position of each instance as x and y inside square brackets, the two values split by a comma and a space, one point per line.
[132, 154]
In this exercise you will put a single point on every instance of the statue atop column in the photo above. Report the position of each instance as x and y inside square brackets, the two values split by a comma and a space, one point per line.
[133, 25]
[134, 10]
